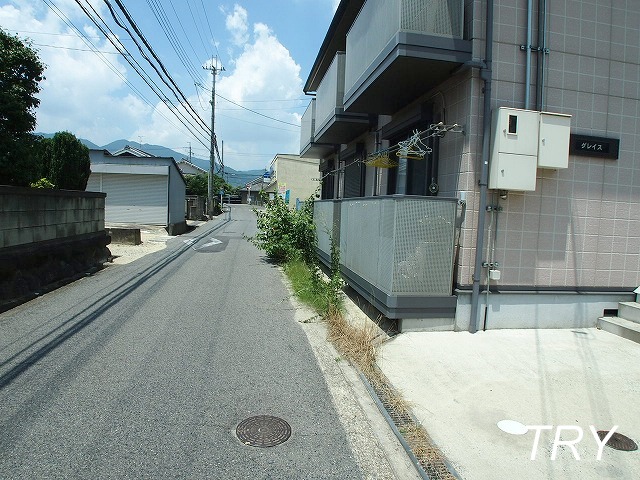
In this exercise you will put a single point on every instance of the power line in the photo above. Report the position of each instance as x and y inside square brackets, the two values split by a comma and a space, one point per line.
[195, 23]
[174, 41]
[213, 38]
[72, 48]
[258, 113]
[113, 39]
[139, 33]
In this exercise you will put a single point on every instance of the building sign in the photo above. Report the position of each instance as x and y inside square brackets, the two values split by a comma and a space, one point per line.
[594, 146]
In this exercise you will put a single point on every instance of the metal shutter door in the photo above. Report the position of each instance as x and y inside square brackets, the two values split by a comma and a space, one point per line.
[135, 198]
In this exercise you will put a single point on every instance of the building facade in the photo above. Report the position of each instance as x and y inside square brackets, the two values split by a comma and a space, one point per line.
[295, 179]
[141, 189]
[535, 134]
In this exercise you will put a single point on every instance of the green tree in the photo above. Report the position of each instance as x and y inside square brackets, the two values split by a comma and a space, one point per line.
[199, 185]
[65, 161]
[21, 72]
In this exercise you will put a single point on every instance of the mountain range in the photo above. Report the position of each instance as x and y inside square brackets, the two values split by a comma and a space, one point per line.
[233, 177]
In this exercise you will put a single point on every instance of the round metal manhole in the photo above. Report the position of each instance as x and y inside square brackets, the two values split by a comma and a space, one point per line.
[618, 441]
[263, 431]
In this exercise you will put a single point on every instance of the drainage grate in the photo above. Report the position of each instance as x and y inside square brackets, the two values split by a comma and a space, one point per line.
[618, 441]
[263, 431]
[426, 453]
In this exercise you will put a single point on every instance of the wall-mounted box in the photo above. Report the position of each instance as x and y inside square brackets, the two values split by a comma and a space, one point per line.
[522, 142]
[553, 145]
[514, 149]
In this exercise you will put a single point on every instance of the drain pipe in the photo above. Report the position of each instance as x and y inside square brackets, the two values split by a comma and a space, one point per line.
[485, 74]
[542, 51]
[527, 69]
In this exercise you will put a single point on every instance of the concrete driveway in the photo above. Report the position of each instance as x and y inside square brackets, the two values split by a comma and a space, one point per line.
[562, 381]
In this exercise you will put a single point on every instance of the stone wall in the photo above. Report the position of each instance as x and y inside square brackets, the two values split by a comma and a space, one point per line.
[48, 238]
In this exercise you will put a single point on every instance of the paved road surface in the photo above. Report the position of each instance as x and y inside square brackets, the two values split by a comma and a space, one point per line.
[144, 371]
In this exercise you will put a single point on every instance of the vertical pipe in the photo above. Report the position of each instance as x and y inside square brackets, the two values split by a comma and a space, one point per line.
[527, 69]
[485, 74]
[542, 27]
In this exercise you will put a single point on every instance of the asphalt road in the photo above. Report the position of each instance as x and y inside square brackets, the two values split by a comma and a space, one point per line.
[145, 370]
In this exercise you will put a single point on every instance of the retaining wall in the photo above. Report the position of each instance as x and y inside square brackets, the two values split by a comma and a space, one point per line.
[48, 237]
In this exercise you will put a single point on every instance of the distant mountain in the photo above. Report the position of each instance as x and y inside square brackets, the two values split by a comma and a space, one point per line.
[234, 177]
[86, 142]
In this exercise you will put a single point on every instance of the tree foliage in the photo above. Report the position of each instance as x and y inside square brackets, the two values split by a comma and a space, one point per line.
[285, 234]
[65, 161]
[21, 72]
[199, 185]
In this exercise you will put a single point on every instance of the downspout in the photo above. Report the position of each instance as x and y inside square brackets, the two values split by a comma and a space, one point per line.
[542, 51]
[527, 70]
[485, 74]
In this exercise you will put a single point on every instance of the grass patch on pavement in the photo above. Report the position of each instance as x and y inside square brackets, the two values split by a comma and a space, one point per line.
[288, 238]
[309, 289]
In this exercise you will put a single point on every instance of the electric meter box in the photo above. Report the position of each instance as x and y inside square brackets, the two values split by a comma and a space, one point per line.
[553, 145]
[522, 142]
[514, 152]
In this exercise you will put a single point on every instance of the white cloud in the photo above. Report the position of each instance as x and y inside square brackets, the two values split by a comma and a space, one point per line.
[83, 94]
[237, 25]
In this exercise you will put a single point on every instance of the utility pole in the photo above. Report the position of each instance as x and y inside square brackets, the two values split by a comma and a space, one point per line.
[189, 152]
[214, 71]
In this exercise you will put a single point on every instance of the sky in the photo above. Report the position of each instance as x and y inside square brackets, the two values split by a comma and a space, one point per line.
[266, 47]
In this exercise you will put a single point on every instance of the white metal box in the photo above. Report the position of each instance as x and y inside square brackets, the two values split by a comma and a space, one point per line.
[514, 149]
[553, 145]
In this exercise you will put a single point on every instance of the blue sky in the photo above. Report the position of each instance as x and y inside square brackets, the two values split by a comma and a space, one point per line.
[267, 48]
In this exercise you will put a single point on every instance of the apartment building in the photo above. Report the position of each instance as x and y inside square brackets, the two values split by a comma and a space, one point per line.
[479, 185]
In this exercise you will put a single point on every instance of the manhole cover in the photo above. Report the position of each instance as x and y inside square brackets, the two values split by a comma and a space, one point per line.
[263, 431]
[618, 441]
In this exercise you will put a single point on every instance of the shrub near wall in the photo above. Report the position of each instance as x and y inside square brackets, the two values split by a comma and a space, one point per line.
[47, 237]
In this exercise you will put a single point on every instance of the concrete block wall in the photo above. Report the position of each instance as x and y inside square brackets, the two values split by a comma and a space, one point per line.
[34, 215]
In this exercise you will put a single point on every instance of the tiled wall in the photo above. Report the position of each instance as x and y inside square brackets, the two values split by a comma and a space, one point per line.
[581, 227]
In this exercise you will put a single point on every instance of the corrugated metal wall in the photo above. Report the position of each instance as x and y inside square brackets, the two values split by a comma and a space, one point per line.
[133, 198]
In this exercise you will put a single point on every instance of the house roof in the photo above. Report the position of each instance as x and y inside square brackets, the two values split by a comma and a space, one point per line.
[129, 150]
[184, 161]
[104, 156]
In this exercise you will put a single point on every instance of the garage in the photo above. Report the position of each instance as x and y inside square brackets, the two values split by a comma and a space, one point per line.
[140, 190]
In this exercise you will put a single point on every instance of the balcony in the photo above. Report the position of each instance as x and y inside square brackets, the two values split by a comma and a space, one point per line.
[397, 50]
[396, 251]
[309, 148]
[332, 124]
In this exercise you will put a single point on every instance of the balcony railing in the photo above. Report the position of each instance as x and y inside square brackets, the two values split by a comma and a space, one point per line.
[396, 251]
[430, 28]
[330, 91]
[307, 126]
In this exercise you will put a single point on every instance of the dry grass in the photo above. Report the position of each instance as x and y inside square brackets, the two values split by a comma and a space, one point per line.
[358, 344]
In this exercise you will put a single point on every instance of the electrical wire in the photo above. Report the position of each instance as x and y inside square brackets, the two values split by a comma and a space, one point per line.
[113, 39]
[257, 113]
[161, 16]
[79, 33]
[195, 23]
[168, 77]
[213, 38]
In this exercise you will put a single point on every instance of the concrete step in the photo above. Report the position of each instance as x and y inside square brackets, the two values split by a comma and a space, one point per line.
[621, 327]
[629, 311]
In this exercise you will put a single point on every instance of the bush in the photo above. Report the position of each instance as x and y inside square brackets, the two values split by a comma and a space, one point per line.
[42, 183]
[286, 234]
